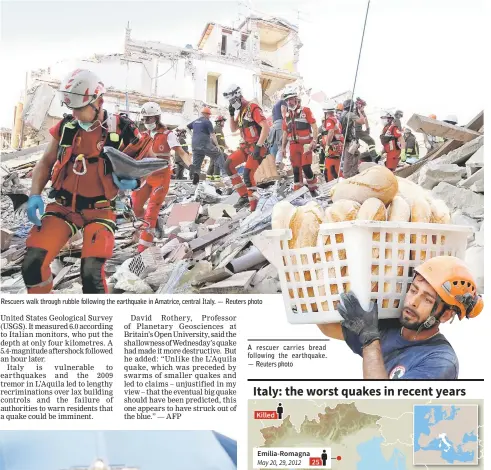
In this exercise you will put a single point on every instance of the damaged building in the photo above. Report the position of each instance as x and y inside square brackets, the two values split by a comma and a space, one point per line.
[260, 54]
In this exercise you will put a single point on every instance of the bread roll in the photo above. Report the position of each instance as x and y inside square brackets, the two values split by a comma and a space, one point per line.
[372, 209]
[283, 211]
[399, 210]
[342, 210]
[375, 182]
[305, 229]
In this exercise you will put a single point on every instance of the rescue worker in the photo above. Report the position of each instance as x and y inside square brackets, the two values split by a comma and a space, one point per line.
[155, 186]
[412, 347]
[398, 115]
[349, 119]
[179, 164]
[213, 173]
[431, 141]
[364, 135]
[412, 147]
[204, 143]
[300, 132]
[83, 185]
[393, 141]
[254, 131]
[332, 144]
[276, 133]
[339, 110]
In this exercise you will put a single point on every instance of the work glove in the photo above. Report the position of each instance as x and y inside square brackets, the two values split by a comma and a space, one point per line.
[124, 184]
[231, 110]
[35, 203]
[403, 155]
[257, 153]
[358, 321]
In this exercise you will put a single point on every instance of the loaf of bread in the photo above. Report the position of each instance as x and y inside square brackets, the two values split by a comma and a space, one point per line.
[375, 182]
[305, 225]
[399, 210]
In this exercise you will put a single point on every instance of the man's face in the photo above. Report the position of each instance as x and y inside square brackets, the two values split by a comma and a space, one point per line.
[418, 303]
[149, 119]
[292, 102]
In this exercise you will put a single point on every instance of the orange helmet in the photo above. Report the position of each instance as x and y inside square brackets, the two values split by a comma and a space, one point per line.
[432, 116]
[454, 284]
[206, 110]
[340, 107]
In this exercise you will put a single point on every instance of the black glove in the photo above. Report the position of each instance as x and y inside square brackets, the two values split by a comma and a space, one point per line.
[231, 110]
[257, 153]
[358, 321]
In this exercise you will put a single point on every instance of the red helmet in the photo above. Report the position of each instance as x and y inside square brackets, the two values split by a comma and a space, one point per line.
[220, 118]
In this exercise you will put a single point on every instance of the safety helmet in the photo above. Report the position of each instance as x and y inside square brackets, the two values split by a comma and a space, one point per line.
[348, 105]
[398, 114]
[454, 284]
[386, 115]
[290, 93]
[220, 118]
[432, 116]
[81, 88]
[329, 106]
[407, 130]
[451, 119]
[233, 91]
[150, 109]
[206, 110]
[360, 102]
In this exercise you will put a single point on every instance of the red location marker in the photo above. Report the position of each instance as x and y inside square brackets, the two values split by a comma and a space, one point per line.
[338, 457]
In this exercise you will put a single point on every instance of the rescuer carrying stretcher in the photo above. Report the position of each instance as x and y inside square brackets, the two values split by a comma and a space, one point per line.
[412, 347]
[83, 185]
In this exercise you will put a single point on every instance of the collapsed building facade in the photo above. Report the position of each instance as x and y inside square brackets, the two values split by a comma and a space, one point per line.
[263, 53]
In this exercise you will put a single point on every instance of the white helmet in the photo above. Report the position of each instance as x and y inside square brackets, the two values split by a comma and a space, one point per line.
[232, 92]
[81, 88]
[329, 106]
[290, 93]
[386, 115]
[451, 119]
[150, 109]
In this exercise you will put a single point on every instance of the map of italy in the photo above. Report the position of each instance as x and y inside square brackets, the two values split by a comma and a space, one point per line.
[445, 434]
[374, 434]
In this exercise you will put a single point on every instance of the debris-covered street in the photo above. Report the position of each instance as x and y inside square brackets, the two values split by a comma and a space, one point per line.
[203, 244]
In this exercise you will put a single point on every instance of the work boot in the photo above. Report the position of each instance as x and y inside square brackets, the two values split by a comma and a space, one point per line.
[242, 202]
[195, 178]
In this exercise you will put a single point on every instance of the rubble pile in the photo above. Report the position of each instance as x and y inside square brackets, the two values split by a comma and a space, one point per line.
[204, 244]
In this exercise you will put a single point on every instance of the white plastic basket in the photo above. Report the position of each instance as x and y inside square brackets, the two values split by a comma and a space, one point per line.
[375, 260]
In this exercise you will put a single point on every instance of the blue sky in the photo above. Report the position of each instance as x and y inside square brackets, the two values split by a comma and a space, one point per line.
[419, 56]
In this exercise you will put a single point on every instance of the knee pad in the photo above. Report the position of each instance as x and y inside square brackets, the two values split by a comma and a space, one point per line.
[228, 166]
[307, 170]
[247, 177]
[296, 174]
[32, 266]
[92, 275]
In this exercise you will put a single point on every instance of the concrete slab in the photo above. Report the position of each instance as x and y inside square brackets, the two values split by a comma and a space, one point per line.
[183, 213]
[475, 178]
[236, 283]
[441, 129]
